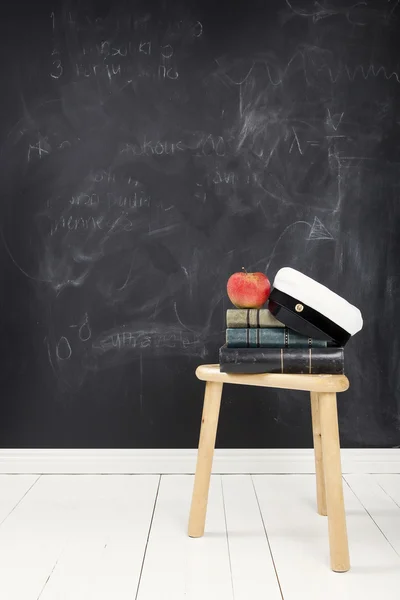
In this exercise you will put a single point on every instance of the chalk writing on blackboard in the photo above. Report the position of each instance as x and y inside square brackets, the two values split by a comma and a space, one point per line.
[124, 340]
[63, 349]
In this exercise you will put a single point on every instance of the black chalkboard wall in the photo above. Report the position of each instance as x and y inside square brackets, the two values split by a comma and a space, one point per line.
[149, 150]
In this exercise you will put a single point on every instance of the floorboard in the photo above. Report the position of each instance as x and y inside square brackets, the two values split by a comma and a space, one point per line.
[13, 489]
[391, 485]
[77, 537]
[253, 571]
[177, 567]
[299, 543]
[379, 504]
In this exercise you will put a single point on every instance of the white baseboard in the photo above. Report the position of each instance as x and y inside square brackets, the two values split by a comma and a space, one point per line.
[184, 461]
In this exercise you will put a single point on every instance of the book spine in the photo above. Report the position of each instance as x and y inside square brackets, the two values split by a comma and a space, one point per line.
[316, 361]
[251, 317]
[271, 337]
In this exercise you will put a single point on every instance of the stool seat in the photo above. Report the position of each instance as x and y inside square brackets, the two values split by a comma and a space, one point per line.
[309, 383]
[322, 390]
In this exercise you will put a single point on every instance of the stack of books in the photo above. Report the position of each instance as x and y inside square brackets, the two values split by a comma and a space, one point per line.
[256, 342]
[303, 330]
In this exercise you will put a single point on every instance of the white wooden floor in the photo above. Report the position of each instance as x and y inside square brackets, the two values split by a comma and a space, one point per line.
[120, 537]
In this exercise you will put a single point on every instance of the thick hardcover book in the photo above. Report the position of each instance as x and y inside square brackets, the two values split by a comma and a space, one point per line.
[282, 360]
[270, 337]
[251, 317]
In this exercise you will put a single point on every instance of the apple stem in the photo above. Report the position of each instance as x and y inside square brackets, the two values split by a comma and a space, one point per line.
[244, 270]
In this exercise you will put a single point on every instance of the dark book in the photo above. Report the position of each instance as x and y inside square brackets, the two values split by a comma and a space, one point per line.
[270, 337]
[251, 317]
[282, 360]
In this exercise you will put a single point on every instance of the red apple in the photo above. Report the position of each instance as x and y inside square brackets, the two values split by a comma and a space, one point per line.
[248, 290]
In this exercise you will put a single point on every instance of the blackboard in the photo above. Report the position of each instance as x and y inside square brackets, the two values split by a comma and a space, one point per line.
[151, 149]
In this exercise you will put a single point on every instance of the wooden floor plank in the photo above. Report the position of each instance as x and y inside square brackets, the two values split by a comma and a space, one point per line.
[177, 567]
[77, 537]
[299, 543]
[379, 504]
[13, 489]
[253, 571]
[390, 483]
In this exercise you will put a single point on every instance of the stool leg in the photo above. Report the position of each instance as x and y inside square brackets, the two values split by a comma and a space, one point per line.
[339, 548]
[208, 432]
[319, 465]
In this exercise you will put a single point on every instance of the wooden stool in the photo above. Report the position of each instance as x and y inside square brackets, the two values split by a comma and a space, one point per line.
[323, 390]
